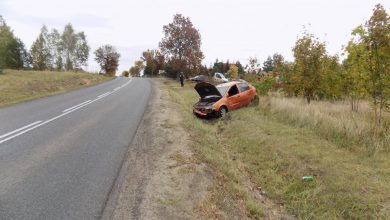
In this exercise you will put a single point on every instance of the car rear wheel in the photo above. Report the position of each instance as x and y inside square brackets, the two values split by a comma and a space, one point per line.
[222, 111]
[255, 101]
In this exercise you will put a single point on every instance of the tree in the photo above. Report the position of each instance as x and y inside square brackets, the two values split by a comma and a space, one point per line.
[40, 51]
[13, 54]
[154, 61]
[278, 62]
[233, 71]
[181, 46]
[69, 45]
[20, 56]
[377, 39]
[4, 38]
[52, 50]
[253, 67]
[75, 48]
[273, 62]
[240, 68]
[56, 50]
[356, 68]
[268, 65]
[135, 70]
[108, 59]
[218, 67]
[82, 51]
[221, 67]
[331, 85]
[204, 70]
[286, 78]
[308, 54]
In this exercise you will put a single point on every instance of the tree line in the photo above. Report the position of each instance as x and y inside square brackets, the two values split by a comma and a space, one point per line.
[53, 50]
[363, 73]
[180, 52]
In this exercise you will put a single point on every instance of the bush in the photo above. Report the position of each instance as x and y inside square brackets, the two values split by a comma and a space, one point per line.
[252, 78]
[265, 85]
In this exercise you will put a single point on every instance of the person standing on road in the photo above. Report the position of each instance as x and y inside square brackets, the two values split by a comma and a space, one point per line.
[181, 77]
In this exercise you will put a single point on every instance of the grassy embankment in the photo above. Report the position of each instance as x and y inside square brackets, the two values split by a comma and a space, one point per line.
[18, 86]
[275, 144]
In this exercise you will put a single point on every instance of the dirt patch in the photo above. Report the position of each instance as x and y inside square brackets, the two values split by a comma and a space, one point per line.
[162, 179]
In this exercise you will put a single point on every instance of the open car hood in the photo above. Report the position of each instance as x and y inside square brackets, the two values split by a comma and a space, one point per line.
[206, 89]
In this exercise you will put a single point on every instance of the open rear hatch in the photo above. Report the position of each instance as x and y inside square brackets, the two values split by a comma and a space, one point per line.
[206, 89]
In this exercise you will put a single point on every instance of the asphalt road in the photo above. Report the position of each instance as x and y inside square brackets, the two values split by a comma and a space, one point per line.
[60, 156]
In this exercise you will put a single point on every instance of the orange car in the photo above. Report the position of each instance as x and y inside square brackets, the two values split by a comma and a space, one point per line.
[217, 100]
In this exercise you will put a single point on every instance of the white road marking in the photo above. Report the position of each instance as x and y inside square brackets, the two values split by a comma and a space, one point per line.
[36, 124]
[19, 129]
[117, 88]
[76, 106]
[127, 82]
[104, 94]
[48, 121]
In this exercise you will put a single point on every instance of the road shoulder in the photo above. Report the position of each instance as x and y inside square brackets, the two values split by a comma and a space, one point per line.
[160, 178]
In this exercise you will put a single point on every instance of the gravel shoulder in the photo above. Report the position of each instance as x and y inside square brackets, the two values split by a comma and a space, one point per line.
[160, 178]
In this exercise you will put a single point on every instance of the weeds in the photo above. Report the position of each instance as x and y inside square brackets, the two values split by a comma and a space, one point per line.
[332, 121]
[272, 146]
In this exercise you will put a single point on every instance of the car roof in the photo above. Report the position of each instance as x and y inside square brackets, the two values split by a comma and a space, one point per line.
[231, 83]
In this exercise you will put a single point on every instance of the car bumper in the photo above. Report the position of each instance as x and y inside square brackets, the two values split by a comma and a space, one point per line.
[208, 114]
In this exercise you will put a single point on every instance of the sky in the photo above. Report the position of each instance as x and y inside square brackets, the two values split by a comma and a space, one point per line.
[231, 30]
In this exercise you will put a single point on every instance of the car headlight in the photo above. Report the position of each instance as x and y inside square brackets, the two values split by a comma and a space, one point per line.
[209, 107]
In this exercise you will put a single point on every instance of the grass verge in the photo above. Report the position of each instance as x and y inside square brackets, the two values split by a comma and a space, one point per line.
[255, 148]
[332, 121]
[18, 86]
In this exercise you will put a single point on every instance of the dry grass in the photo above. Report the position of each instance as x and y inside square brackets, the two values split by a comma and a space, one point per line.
[274, 145]
[333, 121]
[167, 124]
[181, 159]
[18, 86]
[169, 199]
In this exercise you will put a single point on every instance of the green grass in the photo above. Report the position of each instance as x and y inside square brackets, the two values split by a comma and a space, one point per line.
[18, 86]
[254, 146]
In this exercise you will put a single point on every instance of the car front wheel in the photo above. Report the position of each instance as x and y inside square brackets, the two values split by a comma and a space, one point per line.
[222, 111]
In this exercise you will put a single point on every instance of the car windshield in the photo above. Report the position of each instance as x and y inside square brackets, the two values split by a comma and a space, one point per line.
[222, 89]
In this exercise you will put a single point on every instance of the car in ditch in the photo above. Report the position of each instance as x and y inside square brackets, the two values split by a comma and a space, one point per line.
[216, 101]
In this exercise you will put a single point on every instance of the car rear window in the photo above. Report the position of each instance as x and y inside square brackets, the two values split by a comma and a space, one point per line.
[243, 87]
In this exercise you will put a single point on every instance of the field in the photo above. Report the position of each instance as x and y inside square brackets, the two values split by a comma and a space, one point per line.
[18, 86]
[270, 147]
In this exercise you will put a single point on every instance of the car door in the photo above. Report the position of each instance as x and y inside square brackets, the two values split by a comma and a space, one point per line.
[234, 97]
[245, 93]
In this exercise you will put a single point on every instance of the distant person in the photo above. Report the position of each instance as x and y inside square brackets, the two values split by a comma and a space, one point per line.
[181, 77]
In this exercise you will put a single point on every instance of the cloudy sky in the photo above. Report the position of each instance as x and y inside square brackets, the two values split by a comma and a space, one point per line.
[234, 30]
